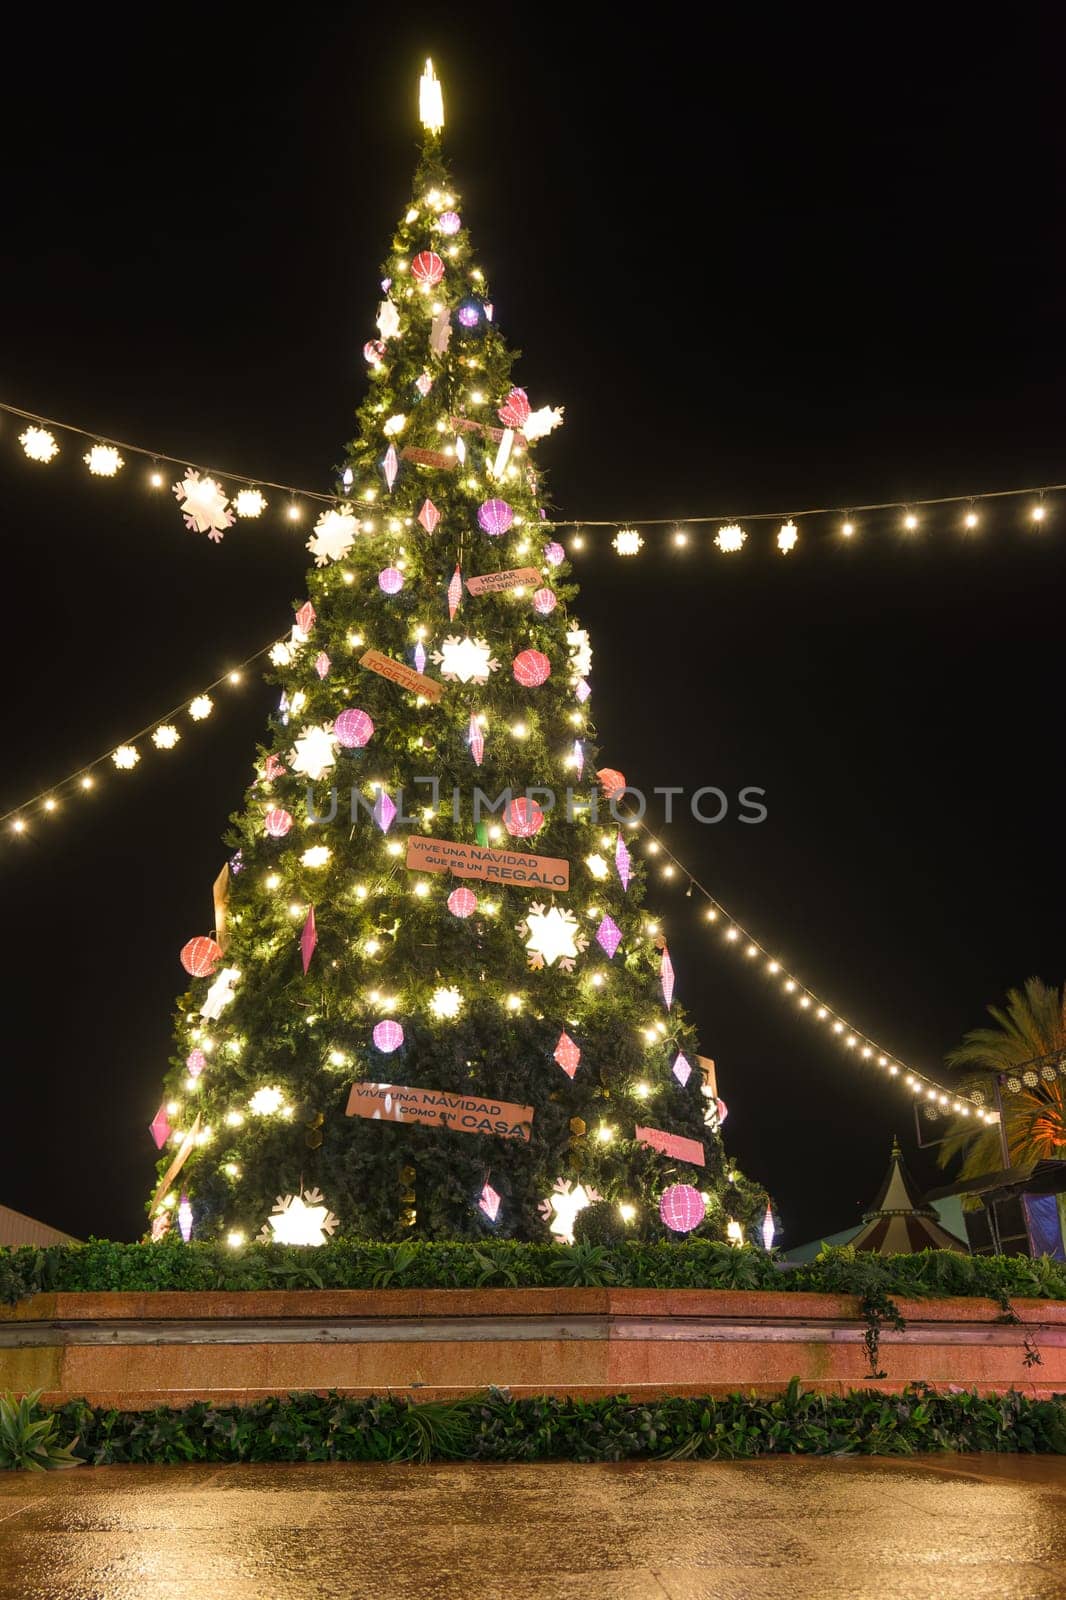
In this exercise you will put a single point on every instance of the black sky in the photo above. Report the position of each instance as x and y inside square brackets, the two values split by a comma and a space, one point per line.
[764, 262]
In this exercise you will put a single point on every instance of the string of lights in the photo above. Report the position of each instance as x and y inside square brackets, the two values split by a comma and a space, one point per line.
[105, 457]
[735, 937]
[162, 733]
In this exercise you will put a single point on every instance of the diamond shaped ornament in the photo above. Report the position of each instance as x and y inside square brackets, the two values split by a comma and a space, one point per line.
[621, 861]
[609, 936]
[159, 1127]
[308, 938]
[666, 978]
[455, 593]
[489, 1202]
[681, 1070]
[391, 466]
[567, 1054]
[429, 516]
[384, 811]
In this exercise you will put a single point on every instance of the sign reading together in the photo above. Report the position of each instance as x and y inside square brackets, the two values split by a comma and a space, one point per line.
[405, 676]
[514, 867]
[672, 1144]
[396, 1102]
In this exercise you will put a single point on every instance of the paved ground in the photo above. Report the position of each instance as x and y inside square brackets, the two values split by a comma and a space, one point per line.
[972, 1527]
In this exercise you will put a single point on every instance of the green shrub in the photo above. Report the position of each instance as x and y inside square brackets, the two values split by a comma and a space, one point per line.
[29, 1436]
[600, 1223]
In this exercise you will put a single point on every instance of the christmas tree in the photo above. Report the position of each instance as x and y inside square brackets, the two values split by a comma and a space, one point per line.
[373, 1040]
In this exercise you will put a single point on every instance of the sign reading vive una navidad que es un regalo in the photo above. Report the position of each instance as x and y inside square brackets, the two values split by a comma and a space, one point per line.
[396, 1102]
[514, 867]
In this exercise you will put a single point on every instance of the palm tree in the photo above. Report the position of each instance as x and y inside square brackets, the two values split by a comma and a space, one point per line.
[1031, 1025]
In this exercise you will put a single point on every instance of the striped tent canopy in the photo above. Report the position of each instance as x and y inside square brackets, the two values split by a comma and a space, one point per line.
[897, 1222]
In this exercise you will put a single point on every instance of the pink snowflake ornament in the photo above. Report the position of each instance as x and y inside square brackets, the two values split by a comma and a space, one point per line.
[621, 861]
[390, 466]
[489, 1202]
[159, 1127]
[322, 664]
[273, 767]
[308, 938]
[462, 903]
[204, 505]
[681, 1069]
[609, 936]
[666, 978]
[429, 516]
[384, 811]
[476, 739]
[567, 1054]
[455, 593]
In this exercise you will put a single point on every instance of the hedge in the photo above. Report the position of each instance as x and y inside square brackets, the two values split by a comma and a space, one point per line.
[414, 1264]
[494, 1427]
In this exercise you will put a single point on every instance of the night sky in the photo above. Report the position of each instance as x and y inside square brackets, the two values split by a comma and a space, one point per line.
[764, 268]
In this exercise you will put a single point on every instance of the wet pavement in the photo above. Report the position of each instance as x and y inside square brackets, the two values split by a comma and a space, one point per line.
[933, 1528]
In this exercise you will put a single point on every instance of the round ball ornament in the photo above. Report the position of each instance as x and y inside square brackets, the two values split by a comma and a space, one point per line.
[554, 554]
[195, 1062]
[353, 729]
[388, 1036]
[494, 517]
[374, 352]
[277, 822]
[612, 782]
[681, 1208]
[462, 902]
[531, 668]
[199, 956]
[544, 602]
[390, 581]
[514, 412]
[449, 222]
[468, 315]
[427, 267]
[523, 818]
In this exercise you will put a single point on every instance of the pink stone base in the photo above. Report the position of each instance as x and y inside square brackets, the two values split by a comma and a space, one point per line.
[140, 1350]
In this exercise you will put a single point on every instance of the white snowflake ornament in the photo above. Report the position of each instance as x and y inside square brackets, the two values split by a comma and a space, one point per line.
[125, 757]
[165, 736]
[314, 752]
[561, 1207]
[388, 320]
[103, 460]
[580, 646]
[250, 503]
[281, 654]
[333, 536]
[299, 1219]
[201, 707]
[540, 423]
[465, 660]
[220, 993]
[204, 505]
[552, 936]
[39, 444]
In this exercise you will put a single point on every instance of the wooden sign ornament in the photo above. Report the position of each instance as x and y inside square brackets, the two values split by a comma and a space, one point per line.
[516, 868]
[396, 1102]
[496, 582]
[405, 676]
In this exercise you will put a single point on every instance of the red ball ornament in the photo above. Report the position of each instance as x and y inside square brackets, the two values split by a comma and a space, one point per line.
[515, 409]
[199, 956]
[681, 1208]
[353, 729]
[427, 267]
[612, 782]
[544, 602]
[374, 352]
[277, 823]
[523, 818]
[462, 902]
[531, 668]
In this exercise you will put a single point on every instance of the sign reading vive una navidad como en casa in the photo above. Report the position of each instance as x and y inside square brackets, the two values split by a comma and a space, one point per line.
[515, 867]
[396, 1102]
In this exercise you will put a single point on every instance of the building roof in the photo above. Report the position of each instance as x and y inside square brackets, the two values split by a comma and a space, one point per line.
[898, 1222]
[18, 1229]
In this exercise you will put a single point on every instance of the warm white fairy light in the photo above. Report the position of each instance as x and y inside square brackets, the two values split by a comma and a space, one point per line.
[446, 1003]
[627, 541]
[165, 736]
[126, 757]
[787, 537]
[200, 707]
[316, 856]
[265, 1102]
[249, 503]
[103, 461]
[730, 538]
[1039, 512]
[910, 521]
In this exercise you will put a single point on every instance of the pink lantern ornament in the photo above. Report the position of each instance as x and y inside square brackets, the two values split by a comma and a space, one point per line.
[554, 554]
[531, 668]
[515, 409]
[374, 352]
[390, 580]
[428, 268]
[353, 729]
[195, 1062]
[388, 1036]
[494, 517]
[523, 818]
[200, 956]
[682, 1208]
[462, 903]
[611, 781]
[544, 602]
[277, 822]
[449, 222]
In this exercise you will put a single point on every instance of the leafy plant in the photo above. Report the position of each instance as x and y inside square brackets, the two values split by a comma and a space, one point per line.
[28, 1436]
[586, 1266]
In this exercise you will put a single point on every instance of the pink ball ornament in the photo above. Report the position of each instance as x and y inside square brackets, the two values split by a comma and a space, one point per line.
[277, 823]
[427, 267]
[523, 818]
[681, 1208]
[554, 554]
[388, 1036]
[531, 668]
[494, 517]
[353, 729]
[515, 409]
[449, 222]
[544, 602]
[199, 956]
[612, 782]
[390, 581]
[462, 902]
[374, 352]
[195, 1061]
[468, 316]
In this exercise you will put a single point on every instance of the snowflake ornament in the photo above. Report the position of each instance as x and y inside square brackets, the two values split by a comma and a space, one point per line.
[465, 660]
[730, 538]
[388, 320]
[314, 752]
[250, 503]
[281, 654]
[333, 536]
[787, 537]
[204, 505]
[580, 646]
[39, 444]
[561, 1207]
[299, 1219]
[201, 707]
[552, 935]
[125, 757]
[103, 460]
[446, 1003]
[317, 856]
[165, 736]
[540, 423]
[220, 993]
